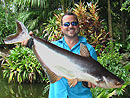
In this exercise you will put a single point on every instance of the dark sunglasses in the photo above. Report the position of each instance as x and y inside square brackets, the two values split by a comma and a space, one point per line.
[66, 24]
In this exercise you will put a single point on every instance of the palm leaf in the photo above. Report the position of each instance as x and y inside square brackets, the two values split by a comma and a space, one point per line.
[11, 76]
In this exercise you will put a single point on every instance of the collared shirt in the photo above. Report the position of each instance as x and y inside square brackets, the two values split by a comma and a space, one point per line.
[61, 89]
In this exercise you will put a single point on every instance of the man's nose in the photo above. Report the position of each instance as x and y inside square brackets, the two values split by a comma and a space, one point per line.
[70, 25]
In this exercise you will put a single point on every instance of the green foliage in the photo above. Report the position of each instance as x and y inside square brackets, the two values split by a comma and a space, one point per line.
[26, 16]
[31, 3]
[51, 31]
[7, 24]
[34, 12]
[22, 65]
[127, 44]
[126, 6]
[111, 60]
[31, 12]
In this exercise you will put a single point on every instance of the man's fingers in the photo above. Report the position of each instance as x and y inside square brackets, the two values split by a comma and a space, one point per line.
[24, 43]
[91, 85]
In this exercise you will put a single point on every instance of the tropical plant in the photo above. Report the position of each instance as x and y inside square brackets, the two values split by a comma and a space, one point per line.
[126, 5]
[127, 44]
[7, 18]
[22, 66]
[91, 26]
[31, 12]
[52, 29]
[66, 4]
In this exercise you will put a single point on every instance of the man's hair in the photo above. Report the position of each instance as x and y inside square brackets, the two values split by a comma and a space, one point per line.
[68, 13]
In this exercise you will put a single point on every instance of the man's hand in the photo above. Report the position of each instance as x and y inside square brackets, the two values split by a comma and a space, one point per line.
[24, 43]
[91, 85]
[88, 84]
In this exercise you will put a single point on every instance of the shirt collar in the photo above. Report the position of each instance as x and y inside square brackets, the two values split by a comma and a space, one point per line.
[82, 39]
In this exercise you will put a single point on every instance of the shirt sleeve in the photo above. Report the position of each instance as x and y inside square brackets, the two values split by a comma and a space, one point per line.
[93, 54]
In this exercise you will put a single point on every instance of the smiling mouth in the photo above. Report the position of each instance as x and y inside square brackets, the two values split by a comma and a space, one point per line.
[71, 30]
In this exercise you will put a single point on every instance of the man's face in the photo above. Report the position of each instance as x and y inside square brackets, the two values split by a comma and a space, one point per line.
[70, 27]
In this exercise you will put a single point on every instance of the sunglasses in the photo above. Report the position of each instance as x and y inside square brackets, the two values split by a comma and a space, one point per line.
[66, 24]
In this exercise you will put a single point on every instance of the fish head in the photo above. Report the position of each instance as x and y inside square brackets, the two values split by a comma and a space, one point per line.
[109, 82]
[21, 35]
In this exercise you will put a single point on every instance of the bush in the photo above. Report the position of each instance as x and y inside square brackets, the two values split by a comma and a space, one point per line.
[22, 66]
[7, 22]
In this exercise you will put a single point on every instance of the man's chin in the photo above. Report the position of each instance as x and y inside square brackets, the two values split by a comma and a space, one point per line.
[71, 35]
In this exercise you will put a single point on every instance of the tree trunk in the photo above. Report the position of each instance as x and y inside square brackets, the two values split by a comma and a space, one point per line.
[110, 26]
[122, 24]
[110, 20]
[63, 6]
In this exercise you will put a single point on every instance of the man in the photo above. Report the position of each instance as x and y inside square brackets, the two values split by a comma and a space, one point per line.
[71, 42]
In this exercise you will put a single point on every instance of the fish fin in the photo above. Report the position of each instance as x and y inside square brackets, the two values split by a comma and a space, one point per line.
[84, 50]
[72, 82]
[52, 76]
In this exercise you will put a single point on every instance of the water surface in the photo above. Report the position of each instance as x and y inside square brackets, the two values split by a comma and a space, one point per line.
[15, 90]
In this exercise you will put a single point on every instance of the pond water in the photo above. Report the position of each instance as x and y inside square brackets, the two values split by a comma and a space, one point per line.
[14, 90]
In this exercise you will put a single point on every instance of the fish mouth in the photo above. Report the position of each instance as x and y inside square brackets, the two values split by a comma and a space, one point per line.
[120, 84]
[113, 83]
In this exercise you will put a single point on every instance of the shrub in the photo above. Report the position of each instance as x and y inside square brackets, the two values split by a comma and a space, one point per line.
[7, 23]
[21, 65]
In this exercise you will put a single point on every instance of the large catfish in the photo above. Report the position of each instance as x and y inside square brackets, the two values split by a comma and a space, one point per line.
[59, 62]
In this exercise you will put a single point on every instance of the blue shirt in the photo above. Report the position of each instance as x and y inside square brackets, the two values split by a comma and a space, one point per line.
[61, 89]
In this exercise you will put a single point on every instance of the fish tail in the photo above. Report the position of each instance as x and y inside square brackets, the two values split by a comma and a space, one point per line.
[21, 35]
